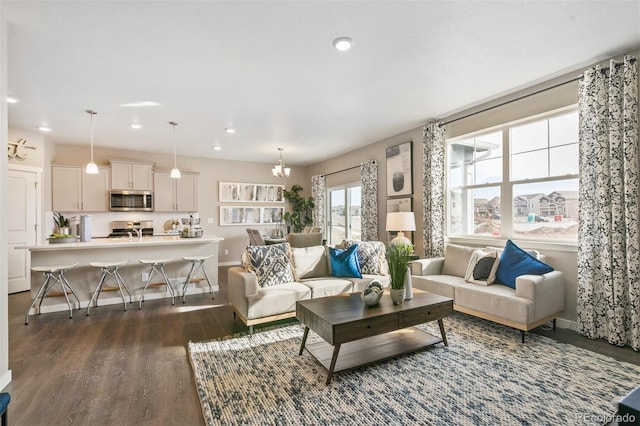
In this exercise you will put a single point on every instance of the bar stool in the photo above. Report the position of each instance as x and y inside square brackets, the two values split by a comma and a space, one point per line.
[52, 275]
[197, 262]
[157, 267]
[109, 269]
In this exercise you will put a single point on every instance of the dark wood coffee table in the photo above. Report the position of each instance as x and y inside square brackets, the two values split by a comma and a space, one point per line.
[362, 335]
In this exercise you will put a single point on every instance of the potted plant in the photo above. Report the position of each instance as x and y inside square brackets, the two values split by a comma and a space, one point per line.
[301, 208]
[62, 223]
[398, 256]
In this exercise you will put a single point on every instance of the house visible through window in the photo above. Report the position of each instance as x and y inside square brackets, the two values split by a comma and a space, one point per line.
[516, 181]
[344, 213]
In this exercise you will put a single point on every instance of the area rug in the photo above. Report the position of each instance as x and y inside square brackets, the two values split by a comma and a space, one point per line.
[485, 377]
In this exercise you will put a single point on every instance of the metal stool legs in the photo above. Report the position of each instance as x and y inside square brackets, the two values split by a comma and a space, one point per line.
[195, 265]
[157, 268]
[109, 270]
[52, 275]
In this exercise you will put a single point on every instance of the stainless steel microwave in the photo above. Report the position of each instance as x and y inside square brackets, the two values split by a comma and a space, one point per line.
[131, 201]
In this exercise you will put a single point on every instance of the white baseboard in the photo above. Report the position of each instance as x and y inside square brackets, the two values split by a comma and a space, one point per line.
[563, 323]
[232, 263]
[5, 379]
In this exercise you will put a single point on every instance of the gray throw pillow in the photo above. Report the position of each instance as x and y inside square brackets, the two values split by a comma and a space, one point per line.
[271, 264]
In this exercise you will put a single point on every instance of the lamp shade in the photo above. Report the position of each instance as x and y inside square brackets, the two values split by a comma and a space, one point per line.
[401, 221]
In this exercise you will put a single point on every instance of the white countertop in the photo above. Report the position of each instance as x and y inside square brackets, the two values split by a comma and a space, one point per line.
[124, 243]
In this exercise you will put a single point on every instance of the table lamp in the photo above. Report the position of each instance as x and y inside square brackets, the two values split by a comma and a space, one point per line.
[401, 221]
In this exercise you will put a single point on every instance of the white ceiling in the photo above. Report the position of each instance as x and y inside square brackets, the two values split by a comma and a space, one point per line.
[268, 68]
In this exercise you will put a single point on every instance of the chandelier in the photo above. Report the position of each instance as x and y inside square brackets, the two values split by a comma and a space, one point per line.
[279, 170]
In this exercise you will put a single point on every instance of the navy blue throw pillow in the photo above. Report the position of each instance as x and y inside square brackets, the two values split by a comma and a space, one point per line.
[344, 263]
[515, 262]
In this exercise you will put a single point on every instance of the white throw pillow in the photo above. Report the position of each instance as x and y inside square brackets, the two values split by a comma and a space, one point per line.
[310, 262]
[482, 267]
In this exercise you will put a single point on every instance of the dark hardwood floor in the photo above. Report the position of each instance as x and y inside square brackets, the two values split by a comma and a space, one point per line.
[131, 368]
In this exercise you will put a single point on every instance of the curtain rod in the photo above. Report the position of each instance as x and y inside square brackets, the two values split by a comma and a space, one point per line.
[343, 170]
[512, 100]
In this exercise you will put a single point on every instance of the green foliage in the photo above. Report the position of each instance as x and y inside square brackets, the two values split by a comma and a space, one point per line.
[61, 221]
[398, 260]
[301, 208]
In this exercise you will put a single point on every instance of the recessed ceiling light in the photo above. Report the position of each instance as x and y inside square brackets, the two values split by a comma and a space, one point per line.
[216, 147]
[140, 104]
[342, 43]
[11, 100]
[135, 126]
[230, 130]
[44, 128]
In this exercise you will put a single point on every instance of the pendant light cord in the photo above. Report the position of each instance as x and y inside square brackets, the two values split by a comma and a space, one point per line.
[175, 161]
[91, 114]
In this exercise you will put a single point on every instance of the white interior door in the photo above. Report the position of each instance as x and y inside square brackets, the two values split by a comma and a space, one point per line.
[22, 219]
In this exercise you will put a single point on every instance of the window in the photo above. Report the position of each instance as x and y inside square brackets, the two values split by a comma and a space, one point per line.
[344, 213]
[534, 164]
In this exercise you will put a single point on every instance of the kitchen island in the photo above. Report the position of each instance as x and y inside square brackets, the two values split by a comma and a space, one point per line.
[84, 278]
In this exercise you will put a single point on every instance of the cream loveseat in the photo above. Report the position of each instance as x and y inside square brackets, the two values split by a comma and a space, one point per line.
[273, 278]
[533, 300]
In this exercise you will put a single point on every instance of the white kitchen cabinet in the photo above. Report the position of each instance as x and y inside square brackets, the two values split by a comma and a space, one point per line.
[73, 190]
[171, 195]
[131, 175]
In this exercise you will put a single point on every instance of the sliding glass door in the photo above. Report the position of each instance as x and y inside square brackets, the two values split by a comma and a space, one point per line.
[344, 213]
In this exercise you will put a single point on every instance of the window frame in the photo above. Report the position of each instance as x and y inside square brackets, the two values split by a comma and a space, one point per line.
[506, 187]
[347, 200]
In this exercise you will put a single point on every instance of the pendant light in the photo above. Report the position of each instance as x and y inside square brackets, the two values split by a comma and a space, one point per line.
[279, 170]
[175, 172]
[91, 169]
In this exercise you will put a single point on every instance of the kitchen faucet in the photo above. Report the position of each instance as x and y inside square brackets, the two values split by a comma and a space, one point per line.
[138, 232]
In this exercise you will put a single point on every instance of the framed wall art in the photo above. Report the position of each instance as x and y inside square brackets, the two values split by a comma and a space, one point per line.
[250, 192]
[400, 169]
[250, 215]
[395, 205]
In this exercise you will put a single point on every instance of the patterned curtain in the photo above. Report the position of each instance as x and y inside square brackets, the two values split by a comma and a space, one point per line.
[318, 192]
[608, 300]
[369, 212]
[433, 189]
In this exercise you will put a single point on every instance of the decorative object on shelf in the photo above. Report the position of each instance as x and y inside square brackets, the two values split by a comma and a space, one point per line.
[400, 170]
[398, 258]
[400, 222]
[91, 168]
[372, 294]
[280, 170]
[175, 172]
[250, 192]
[302, 208]
[62, 224]
[251, 215]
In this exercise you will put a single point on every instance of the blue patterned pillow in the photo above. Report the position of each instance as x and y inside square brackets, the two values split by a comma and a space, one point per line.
[344, 263]
[371, 256]
[514, 262]
[271, 264]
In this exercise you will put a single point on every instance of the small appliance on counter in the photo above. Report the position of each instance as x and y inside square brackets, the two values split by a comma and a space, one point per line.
[85, 228]
[191, 226]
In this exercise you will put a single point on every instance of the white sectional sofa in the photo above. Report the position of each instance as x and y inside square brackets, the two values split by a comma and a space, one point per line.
[535, 299]
[312, 278]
